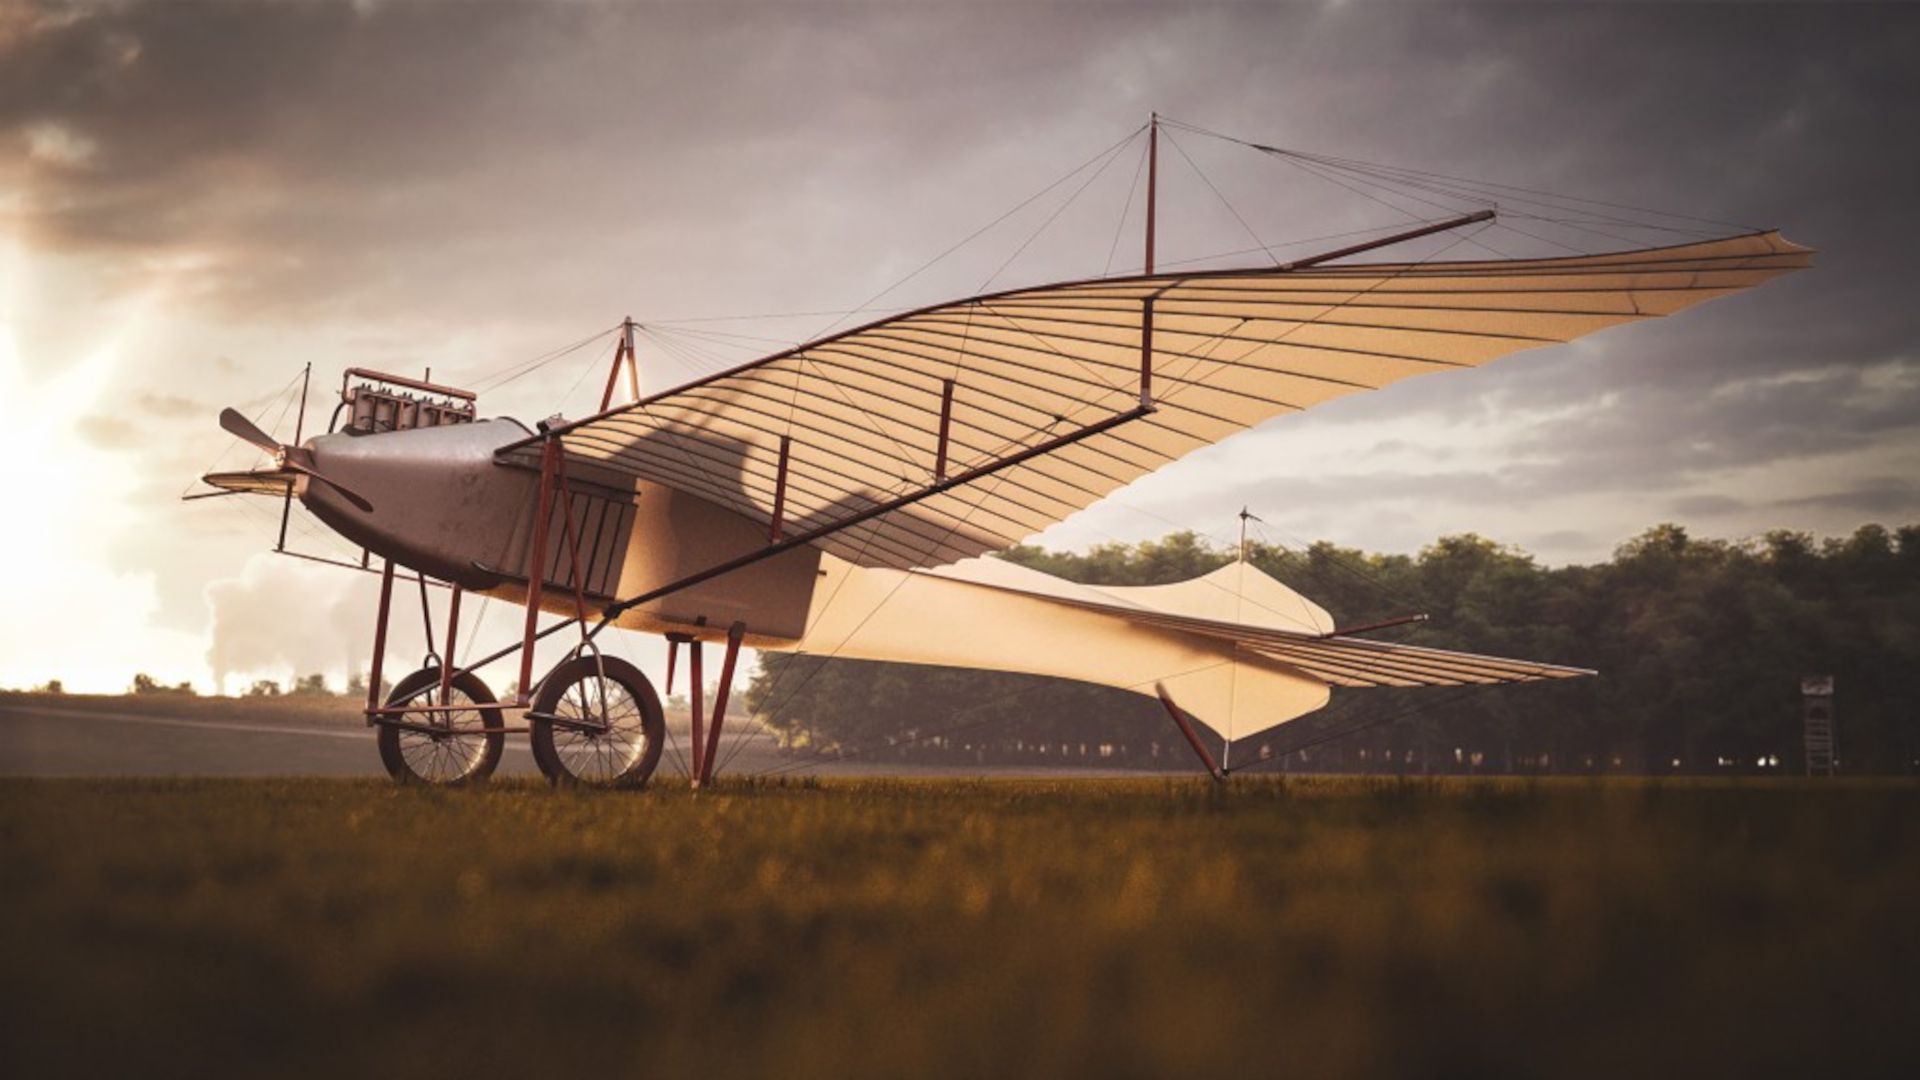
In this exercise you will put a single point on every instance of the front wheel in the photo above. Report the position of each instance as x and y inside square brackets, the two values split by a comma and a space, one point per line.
[596, 720]
[458, 750]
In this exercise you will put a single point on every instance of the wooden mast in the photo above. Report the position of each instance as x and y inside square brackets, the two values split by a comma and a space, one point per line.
[1153, 173]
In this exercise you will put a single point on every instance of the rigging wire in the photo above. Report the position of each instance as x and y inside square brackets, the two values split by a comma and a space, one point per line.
[873, 531]
[1397, 180]
[504, 375]
[1051, 218]
[1359, 572]
[267, 402]
[1121, 225]
[1421, 707]
[1175, 143]
[1023, 204]
[1495, 193]
[769, 315]
[1273, 150]
[958, 523]
[1112, 155]
[598, 360]
[1493, 203]
[1001, 699]
[1189, 378]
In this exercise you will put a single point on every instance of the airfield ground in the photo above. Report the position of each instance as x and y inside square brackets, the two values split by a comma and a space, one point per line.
[952, 928]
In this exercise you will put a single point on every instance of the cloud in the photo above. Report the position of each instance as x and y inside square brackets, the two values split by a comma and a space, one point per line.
[462, 186]
[1699, 506]
[1880, 496]
[58, 145]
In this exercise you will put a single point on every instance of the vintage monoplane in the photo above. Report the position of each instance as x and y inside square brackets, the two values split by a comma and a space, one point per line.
[843, 497]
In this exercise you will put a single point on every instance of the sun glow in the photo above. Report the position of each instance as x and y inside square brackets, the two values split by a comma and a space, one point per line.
[70, 615]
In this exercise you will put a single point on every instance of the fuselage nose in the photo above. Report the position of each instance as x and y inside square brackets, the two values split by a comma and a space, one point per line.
[440, 503]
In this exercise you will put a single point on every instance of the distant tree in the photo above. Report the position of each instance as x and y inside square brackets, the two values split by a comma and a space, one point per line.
[264, 688]
[144, 683]
[314, 685]
[356, 685]
[185, 687]
[1700, 645]
[53, 686]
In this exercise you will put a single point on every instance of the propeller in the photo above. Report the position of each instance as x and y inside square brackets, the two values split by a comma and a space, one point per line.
[288, 458]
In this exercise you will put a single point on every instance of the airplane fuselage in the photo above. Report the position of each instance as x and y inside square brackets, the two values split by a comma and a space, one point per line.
[444, 505]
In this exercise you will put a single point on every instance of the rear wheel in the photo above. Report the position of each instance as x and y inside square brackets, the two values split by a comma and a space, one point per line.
[597, 721]
[456, 751]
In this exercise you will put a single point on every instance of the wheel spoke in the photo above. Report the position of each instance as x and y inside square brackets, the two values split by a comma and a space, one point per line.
[599, 732]
[447, 746]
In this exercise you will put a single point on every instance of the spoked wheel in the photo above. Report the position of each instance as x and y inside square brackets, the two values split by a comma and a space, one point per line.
[597, 721]
[458, 752]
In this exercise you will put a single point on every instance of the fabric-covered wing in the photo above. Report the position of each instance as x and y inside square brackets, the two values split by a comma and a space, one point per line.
[1229, 350]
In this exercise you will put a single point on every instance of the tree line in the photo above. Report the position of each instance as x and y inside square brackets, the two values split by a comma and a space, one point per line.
[1700, 644]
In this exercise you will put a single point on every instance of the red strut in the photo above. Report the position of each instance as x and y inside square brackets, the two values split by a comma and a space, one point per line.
[1185, 721]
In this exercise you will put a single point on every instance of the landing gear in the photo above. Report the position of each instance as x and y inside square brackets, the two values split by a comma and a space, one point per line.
[442, 746]
[597, 721]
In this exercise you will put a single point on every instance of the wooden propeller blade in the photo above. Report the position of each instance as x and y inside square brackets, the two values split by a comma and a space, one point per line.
[242, 428]
[345, 492]
[290, 458]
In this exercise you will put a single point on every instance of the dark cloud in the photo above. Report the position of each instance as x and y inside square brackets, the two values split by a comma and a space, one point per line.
[1879, 496]
[386, 179]
[169, 406]
[1698, 506]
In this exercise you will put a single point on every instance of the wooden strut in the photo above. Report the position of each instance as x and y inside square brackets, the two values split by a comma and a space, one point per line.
[1153, 175]
[299, 427]
[1184, 720]
[623, 355]
[697, 699]
[537, 563]
[377, 712]
[1397, 238]
[379, 638]
[446, 662]
[780, 492]
[613, 611]
[674, 641]
[1146, 353]
[946, 425]
[1146, 305]
[554, 494]
[573, 543]
[703, 775]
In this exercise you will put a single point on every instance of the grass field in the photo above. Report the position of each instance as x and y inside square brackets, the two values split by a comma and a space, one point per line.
[943, 928]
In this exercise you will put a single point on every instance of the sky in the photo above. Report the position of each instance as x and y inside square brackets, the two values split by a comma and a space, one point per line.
[198, 200]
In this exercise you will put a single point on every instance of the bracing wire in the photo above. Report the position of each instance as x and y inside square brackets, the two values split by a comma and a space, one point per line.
[266, 402]
[1197, 171]
[1111, 157]
[514, 371]
[1413, 710]
[1315, 165]
[1001, 699]
[977, 233]
[1120, 226]
[1485, 184]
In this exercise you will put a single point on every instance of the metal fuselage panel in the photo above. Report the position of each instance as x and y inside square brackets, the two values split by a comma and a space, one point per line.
[440, 504]
[444, 506]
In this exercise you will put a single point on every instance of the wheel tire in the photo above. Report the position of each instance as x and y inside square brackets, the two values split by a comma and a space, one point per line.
[461, 759]
[624, 759]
